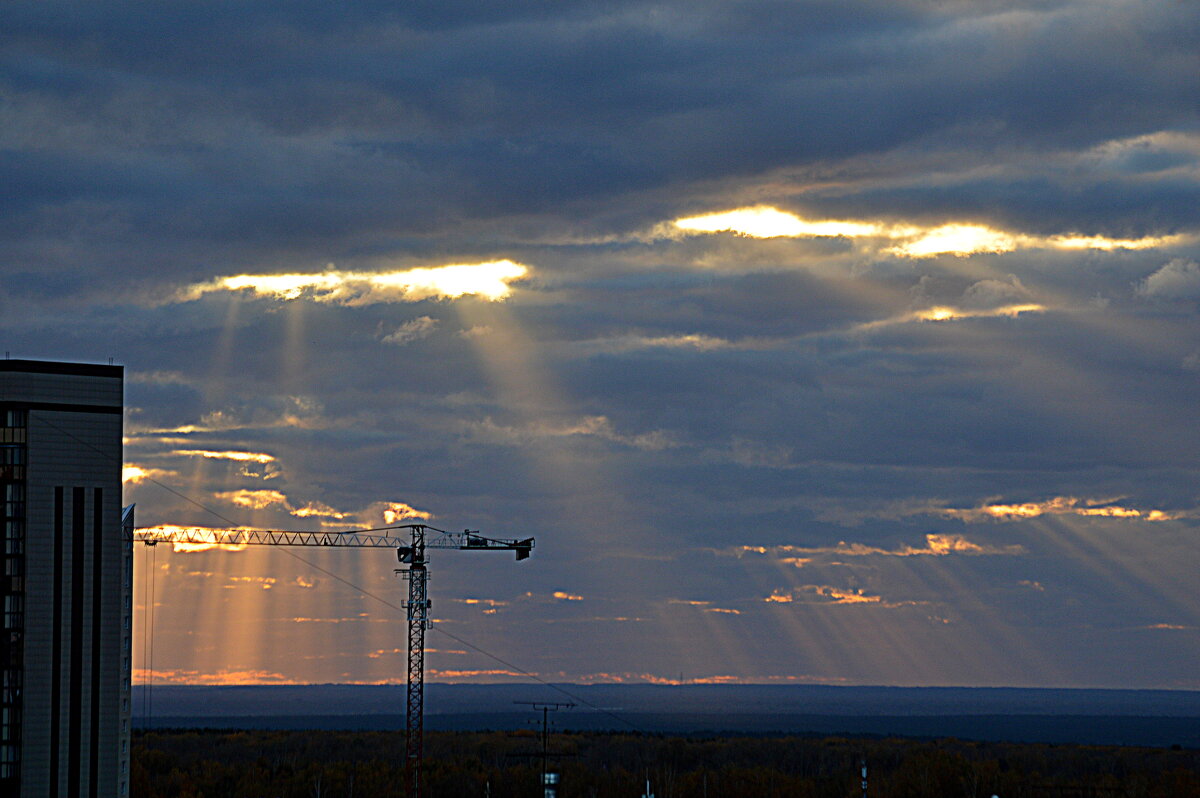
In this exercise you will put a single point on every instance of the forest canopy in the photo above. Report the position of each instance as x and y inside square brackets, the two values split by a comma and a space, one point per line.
[291, 764]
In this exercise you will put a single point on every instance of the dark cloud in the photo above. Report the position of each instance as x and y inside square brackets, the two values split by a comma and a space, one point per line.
[649, 403]
[254, 126]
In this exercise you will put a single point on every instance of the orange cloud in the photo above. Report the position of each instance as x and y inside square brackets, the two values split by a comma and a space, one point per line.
[993, 509]
[390, 652]
[652, 678]
[395, 512]
[453, 675]
[240, 457]
[218, 678]
[319, 510]
[264, 499]
[936, 545]
[351, 619]
[829, 594]
[265, 582]
[840, 596]
[133, 474]
[1060, 505]
[191, 539]
[254, 499]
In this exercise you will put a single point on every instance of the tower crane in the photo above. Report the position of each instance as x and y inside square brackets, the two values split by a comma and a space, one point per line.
[410, 542]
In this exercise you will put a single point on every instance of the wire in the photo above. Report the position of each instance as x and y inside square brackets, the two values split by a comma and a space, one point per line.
[540, 680]
[145, 636]
[150, 667]
[363, 591]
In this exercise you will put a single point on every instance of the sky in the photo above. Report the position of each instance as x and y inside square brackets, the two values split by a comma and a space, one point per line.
[848, 342]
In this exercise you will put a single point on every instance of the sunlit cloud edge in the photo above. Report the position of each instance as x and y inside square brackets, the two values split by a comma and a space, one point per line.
[491, 280]
[909, 240]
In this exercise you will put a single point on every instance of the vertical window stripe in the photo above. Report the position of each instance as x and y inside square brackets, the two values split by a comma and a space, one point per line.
[56, 643]
[75, 729]
[97, 616]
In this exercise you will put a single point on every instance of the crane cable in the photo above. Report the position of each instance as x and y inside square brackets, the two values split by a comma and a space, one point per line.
[149, 581]
[150, 675]
[149, 679]
[145, 636]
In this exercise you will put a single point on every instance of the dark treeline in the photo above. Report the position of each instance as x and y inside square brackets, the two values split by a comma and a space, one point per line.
[336, 764]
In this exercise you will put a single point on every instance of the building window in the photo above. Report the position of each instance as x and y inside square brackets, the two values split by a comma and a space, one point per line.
[14, 500]
[13, 459]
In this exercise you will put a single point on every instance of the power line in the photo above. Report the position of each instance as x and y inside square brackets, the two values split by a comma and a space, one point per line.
[145, 638]
[540, 680]
[149, 687]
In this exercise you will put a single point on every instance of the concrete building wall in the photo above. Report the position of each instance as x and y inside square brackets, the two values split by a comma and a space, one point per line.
[75, 677]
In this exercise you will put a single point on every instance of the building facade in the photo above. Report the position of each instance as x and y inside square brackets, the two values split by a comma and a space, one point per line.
[67, 582]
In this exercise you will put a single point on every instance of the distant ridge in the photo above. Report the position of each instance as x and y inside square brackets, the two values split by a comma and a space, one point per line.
[343, 699]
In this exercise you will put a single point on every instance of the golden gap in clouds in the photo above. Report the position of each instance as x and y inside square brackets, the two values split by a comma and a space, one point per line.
[956, 239]
[240, 457]
[491, 280]
[767, 222]
[943, 313]
[133, 474]
[913, 240]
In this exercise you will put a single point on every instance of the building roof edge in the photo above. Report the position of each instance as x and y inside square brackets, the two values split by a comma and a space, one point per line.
[58, 367]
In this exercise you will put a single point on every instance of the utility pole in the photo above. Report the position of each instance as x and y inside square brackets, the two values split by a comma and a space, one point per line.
[549, 785]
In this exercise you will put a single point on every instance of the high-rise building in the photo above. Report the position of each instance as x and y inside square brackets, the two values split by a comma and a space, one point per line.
[66, 587]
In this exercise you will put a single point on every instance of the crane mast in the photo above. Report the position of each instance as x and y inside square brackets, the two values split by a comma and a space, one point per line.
[418, 621]
[410, 549]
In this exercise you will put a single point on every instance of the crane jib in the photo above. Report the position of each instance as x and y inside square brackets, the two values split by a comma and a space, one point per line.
[466, 540]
